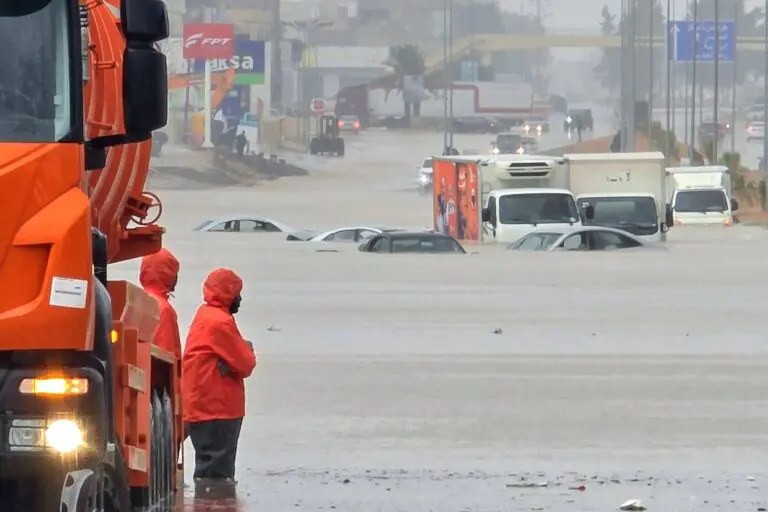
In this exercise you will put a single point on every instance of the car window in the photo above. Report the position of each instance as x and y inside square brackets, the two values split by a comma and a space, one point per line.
[426, 164]
[345, 235]
[575, 242]
[250, 225]
[230, 225]
[380, 245]
[536, 242]
[365, 234]
[431, 244]
[608, 241]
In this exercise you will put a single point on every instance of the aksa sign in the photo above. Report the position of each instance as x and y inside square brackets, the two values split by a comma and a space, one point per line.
[248, 60]
[209, 41]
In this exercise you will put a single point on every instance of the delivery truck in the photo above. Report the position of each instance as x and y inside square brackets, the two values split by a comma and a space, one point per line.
[701, 195]
[501, 198]
[625, 191]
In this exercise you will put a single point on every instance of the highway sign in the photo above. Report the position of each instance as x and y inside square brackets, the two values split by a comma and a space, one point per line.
[689, 41]
[318, 105]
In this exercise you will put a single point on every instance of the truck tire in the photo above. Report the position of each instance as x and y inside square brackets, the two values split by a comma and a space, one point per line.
[157, 455]
[170, 441]
[340, 150]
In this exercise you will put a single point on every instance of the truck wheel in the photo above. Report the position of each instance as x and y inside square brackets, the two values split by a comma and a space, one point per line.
[170, 442]
[157, 456]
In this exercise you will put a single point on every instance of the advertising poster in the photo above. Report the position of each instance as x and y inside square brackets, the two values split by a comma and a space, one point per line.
[445, 193]
[248, 59]
[468, 216]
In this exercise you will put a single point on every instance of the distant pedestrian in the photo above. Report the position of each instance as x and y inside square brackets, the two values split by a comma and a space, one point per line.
[240, 143]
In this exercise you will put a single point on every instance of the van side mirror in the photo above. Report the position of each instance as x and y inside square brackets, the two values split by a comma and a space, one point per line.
[670, 217]
[485, 215]
[145, 72]
[589, 212]
[734, 205]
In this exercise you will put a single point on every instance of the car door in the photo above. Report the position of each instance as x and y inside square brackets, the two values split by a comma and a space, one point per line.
[345, 235]
[257, 226]
[574, 242]
[610, 241]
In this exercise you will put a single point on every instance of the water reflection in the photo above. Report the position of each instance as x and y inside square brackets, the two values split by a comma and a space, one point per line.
[212, 496]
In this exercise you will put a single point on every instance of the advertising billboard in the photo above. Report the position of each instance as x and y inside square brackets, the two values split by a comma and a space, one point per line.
[248, 59]
[456, 208]
[209, 40]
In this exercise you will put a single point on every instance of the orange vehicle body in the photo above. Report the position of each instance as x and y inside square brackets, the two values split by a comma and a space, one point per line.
[50, 204]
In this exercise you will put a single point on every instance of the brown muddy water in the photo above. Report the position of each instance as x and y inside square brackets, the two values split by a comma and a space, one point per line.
[486, 382]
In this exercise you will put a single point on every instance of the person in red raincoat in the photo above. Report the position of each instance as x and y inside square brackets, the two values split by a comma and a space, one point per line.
[158, 276]
[217, 359]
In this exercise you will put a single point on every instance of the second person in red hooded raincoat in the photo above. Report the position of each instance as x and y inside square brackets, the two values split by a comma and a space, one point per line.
[216, 361]
[158, 276]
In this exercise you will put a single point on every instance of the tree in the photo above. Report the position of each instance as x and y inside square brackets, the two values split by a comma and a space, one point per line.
[407, 61]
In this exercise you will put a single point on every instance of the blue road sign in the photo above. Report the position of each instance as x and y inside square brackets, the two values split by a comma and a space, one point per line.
[689, 41]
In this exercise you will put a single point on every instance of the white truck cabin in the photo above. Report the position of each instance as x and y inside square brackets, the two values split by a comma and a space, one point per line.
[626, 191]
[522, 193]
[701, 195]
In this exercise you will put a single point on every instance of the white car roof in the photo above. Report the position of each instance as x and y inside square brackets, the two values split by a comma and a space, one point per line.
[246, 216]
[577, 229]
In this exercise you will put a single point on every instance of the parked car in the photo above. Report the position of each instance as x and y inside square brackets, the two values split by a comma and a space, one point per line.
[710, 130]
[755, 131]
[243, 224]
[575, 117]
[412, 242]
[348, 234]
[349, 123]
[584, 238]
[536, 126]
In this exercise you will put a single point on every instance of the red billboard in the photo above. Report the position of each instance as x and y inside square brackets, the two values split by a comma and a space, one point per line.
[209, 41]
[456, 211]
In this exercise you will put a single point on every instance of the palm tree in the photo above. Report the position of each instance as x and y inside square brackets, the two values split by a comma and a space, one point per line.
[408, 63]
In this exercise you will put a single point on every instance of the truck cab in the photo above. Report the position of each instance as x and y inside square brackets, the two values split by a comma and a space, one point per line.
[626, 191]
[523, 193]
[701, 195]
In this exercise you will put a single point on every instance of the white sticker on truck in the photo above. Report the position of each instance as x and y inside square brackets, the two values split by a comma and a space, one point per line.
[68, 293]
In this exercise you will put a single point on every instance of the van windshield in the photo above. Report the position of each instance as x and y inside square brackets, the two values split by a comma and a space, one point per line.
[35, 88]
[538, 208]
[701, 201]
[636, 215]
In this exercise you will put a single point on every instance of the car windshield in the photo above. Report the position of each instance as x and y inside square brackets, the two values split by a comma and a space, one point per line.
[535, 242]
[634, 214]
[549, 208]
[687, 201]
[427, 164]
[200, 226]
[508, 139]
[34, 90]
[425, 244]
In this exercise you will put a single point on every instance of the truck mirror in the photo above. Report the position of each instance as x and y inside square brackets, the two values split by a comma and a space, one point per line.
[144, 21]
[734, 205]
[670, 218]
[589, 212]
[145, 91]
[486, 215]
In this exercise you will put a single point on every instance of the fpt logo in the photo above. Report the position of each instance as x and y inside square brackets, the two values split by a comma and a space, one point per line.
[209, 41]
[201, 40]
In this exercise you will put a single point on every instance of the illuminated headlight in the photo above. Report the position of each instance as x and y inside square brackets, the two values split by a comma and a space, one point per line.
[526, 128]
[61, 435]
[495, 151]
[520, 151]
[569, 119]
[424, 178]
[539, 128]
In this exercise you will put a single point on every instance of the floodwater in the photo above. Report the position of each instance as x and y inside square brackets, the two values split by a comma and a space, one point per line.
[485, 382]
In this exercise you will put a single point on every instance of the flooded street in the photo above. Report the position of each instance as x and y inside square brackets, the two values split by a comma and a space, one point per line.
[486, 382]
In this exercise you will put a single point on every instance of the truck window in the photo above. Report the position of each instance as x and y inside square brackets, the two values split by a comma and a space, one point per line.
[634, 214]
[549, 208]
[688, 201]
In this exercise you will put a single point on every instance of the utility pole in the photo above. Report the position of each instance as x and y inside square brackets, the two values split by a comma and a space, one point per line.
[692, 147]
[736, 10]
[450, 62]
[717, 82]
[276, 71]
[446, 74]
[667, 148]
[633, 75]
[765, 100]
[652, 80]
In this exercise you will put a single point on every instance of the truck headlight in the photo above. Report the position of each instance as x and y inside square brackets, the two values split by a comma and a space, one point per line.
[64, 436]
[424, 178]
[61, 435]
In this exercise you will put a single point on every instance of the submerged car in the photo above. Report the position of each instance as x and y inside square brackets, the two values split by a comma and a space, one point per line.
[425, 176]
[349, 123]
[413, 242]
[585, 238]
[244, 224]
[346, 234]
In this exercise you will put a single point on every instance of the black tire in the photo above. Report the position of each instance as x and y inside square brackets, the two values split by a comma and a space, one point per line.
[157, 454]
[341, 148]
[170, 441]
[313, 147]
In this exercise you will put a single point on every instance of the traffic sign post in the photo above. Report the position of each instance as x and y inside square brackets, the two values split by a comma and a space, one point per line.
[689, 41]
[318, 105]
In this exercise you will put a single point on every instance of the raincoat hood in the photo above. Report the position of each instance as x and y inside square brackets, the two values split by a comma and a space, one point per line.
[159, 272]
[221, 287]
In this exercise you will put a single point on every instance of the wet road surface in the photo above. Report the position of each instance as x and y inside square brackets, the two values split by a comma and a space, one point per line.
[413, 383]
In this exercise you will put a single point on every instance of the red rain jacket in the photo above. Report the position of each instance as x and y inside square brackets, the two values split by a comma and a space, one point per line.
[213, 337]
[158, 275]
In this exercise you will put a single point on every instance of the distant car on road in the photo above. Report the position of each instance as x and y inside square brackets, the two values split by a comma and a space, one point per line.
[476, 124]
[536, 126]
[349, 123]
[412, 242]
[756, 113]
[507, 143]
[755, 131]
[709, 130]
[576, 116]
[585, 238]
[530, 145]
[425, 176]
[244, 224]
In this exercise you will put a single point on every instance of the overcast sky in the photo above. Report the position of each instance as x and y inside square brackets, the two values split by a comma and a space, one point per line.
[584, 13]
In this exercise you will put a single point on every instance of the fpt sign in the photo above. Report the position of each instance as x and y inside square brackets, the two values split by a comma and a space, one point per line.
[208, 41]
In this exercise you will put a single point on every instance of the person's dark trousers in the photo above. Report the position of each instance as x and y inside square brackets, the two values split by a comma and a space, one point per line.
[215, 443]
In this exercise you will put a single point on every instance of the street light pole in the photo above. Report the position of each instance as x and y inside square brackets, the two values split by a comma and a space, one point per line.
[633, 75]
[450, 63]
[692, 147]
[765, 96]
[667, 148]
[623, 89]
[717, 81]
[652, 81]
[737, 6]
[445, 74]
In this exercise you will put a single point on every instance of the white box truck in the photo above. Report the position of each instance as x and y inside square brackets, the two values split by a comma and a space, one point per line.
[625, 191]
[701, 195]
[518, 194]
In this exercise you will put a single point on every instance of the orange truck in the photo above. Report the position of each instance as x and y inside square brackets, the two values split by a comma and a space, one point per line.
[90, 416]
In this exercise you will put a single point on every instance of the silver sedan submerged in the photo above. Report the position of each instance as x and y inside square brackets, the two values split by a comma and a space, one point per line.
[584, 238]
[244, 223]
